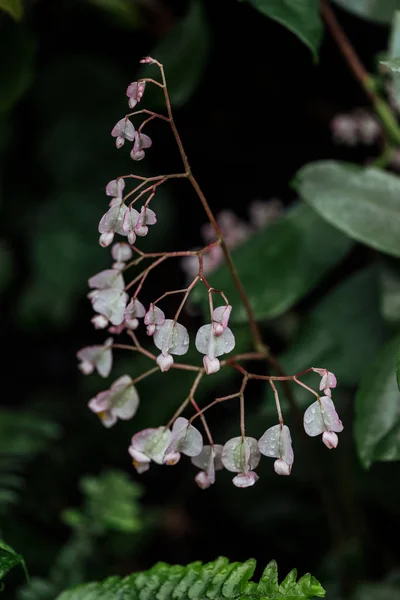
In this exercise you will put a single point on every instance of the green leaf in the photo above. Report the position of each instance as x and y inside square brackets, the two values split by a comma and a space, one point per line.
[393, 64]
[299, 16]
[389, 287]
[125, 12]
[377, 409]
[363, 203]
[280, 264]
[111, 503]
[13, 8]
[8, 560]
[184, 53]
[16, 73]
[217, 580]
[380, 11]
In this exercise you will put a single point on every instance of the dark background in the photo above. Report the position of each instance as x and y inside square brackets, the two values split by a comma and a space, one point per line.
[261, 110]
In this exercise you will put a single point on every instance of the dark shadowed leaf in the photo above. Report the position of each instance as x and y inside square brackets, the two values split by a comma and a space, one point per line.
[13, 8]
[299, 16]
[363, 203]
[377, 409]
[280, 264]
[8, 560]
[17, 64]
[183, 52]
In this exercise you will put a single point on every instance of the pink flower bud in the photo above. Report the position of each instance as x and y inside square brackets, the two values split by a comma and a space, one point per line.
[150, 329]
[211, 365]
[99, 322]
[330, 439]
[165, 362]
[135, 92]
[218, 329]
[203, 480]
[141, 141]
[119, 142]
[86, 368]
[147, 60]
[282, 468]
[121, 252]
[106, 239]
[172, 458]
[244, 480]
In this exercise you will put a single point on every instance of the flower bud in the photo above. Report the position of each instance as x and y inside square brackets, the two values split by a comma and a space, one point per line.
[211, 365]
[165, 361]
[330, 439]
[282, 468]
[203, 480]
[106, 239]
[172, 458]
[247, 479]
[99, 322]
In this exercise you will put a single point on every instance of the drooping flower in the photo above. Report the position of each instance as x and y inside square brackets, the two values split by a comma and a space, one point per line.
[121, 252]
[123, 130]
[115, 188]
[121, 401]
[110, 303]
[277, 443]
[141, 141]
[146, 217]
[241, 455]
[321, 417]
[149, 445]
[153, 319]
[99, 322]
[111, 223]
[170, 338]
[185, 439]
[209, 461]
[215, 339]
[134, 311]
[129, 224]
[328, 380]
[96, 357]
[135, 91]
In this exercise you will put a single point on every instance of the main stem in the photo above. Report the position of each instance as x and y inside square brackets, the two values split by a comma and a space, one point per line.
[255, 331]
[382, 108]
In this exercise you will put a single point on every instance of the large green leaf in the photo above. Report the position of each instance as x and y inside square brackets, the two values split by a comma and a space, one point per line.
[13, 8]
[377, 409]
[299, 16]
[342, 333]
[363, 203]
[380, 11]
[8, 560]
[218, 580]
[183, 52]
[280, 264]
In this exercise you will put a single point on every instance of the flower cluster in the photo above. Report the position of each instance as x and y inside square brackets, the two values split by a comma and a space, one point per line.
[118, 309]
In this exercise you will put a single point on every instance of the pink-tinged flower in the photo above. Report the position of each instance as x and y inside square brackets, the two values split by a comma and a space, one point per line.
[121, 252]
[141, 141]
[185, 439]
[96, 357]
[109, 278]
[115, 188]
[129, 224]
[213, 341]
[110, 303]
[121, 401]
[147, 60]
[241, 455]
[328, 380]
[135, 92]
[264, 212]
[123, 130]
[154, 318]
[99, 322]
[147, 217]
[330, 439]
[134, 311]
[209, 461]
[277, 443]
[170, 338]
[220, 318]
[322, 417]
[172, 458]
[149, 445]
[111, 223]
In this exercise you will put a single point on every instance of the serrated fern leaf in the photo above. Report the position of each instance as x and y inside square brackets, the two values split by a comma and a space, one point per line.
[217, 580]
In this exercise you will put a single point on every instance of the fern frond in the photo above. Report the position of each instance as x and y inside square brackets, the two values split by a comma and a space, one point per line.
[217, 580]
